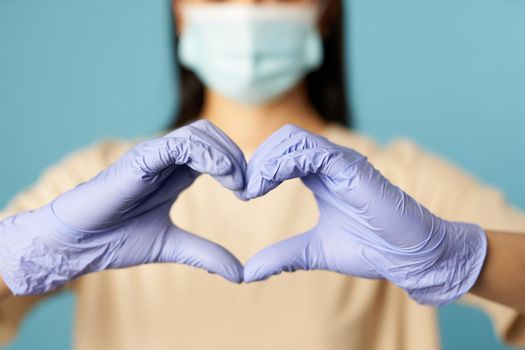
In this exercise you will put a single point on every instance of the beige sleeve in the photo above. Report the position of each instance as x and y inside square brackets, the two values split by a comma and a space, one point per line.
[71, 171]
[456, 195]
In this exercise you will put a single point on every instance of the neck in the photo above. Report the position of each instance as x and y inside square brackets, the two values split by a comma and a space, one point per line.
[250, 125]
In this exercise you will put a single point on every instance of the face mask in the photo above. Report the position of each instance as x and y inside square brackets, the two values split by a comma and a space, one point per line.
[250, 53]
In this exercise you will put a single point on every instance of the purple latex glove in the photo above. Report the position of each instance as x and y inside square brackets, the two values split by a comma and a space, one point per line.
[368, 227]
[120, 218]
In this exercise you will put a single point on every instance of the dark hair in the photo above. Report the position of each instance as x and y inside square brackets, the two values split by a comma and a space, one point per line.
[325, 87]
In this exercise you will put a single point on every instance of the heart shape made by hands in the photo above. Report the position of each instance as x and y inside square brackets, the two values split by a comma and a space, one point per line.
[367, 227]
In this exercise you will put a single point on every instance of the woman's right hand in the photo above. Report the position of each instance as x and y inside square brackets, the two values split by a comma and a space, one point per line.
[120, 218]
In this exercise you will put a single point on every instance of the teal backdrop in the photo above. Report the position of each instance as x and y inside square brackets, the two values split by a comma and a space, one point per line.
[448, 74]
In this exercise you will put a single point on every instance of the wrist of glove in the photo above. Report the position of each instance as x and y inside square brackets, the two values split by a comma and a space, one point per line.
[437, 272]
[44, 253]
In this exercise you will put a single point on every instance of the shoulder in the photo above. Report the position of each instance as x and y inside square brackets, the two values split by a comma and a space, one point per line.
[71, 170]
[429, 177]
[346, 137]
[399, 153]
[402, 159]
[90, 160]
[445, 187]
[416, 164]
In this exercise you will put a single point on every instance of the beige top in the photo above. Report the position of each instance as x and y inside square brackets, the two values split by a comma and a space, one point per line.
[177, 307]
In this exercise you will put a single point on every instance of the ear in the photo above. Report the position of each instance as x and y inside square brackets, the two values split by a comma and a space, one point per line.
[177, 15]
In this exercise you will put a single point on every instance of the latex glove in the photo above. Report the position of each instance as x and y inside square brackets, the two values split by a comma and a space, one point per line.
[368, 227]
[120, 218]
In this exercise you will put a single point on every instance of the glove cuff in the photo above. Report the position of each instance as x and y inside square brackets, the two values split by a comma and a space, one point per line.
[456, 271]
[30, 263]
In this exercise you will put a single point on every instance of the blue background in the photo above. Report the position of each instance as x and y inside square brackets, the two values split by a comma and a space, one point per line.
[448, 74]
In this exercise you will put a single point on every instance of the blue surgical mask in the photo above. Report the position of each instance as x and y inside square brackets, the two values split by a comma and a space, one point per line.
[250, 53]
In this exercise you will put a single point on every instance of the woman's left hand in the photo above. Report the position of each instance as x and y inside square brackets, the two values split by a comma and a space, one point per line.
[368, 227]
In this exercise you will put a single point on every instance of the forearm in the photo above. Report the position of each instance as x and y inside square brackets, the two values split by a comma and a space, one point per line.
[502, 277]
[4, 291]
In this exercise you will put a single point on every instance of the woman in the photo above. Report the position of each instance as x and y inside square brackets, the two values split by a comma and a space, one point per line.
[264, 79]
